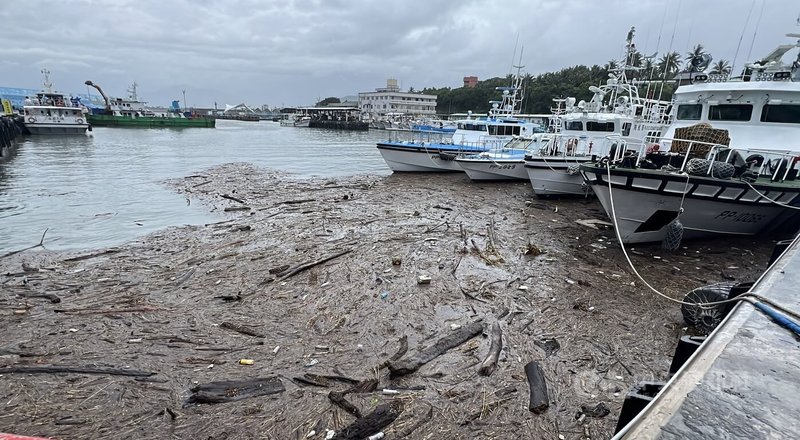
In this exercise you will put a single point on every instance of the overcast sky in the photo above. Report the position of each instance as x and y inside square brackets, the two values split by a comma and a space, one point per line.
[282, 53]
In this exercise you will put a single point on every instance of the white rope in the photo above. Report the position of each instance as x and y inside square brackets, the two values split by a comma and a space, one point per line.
[785, 205]
[683, 196]
[636, 272]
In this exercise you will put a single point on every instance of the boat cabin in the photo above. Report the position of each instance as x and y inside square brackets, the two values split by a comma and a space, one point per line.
[759, 109]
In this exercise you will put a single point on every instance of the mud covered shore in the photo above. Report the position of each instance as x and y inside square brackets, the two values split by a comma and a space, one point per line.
[189, 303]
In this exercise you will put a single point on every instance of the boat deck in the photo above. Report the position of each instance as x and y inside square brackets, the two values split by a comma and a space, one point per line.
[742, 383]
[646, 172]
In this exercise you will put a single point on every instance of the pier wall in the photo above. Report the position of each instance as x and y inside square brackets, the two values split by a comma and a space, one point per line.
[339, 125]
[11, 126]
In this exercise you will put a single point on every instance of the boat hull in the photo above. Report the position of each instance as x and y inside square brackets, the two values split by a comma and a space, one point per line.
[421, 158]
[645, 203]
[57, 129]
[552, 176]
[149, 122]
[493, 169]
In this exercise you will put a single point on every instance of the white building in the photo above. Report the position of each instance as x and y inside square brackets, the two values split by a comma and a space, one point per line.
[391, 101]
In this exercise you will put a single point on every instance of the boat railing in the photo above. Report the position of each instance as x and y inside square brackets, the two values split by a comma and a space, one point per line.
[561, 145]
[776, 163]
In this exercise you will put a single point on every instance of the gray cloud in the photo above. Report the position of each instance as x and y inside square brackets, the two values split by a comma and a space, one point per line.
[294, 52]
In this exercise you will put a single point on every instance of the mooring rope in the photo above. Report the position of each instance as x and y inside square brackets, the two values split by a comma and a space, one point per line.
[785, 205]
[748, 296]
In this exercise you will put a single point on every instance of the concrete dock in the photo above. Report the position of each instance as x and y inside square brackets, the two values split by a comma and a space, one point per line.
[743, 381]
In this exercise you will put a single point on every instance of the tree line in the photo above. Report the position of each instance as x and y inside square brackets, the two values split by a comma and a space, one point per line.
[574, 81]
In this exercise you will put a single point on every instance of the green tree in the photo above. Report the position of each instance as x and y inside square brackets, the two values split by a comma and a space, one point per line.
[722, 67]
[668, 65]
[695, 57]
[649, 69]
[330, 100]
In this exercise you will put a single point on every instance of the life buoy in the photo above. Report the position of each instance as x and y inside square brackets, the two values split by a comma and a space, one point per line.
[31, 119]
[79, 121]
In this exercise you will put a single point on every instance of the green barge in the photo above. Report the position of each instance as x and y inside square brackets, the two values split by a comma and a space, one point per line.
[131, 112]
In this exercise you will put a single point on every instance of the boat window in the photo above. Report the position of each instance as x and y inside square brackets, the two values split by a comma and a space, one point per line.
[504, 130]
[689, 112]
[626, 129]
[786, 113]
[575, 125]
[599, 126]
[653, 136]
[730, 112]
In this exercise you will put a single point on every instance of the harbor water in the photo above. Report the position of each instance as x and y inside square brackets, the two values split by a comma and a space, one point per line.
[107, 188]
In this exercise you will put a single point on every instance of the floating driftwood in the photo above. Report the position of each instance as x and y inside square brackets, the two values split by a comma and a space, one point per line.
[92, 255]
[337, 397]
[313, 380]
[232, 390]
[243, 329]
[454, 339]
[50, 296]
[80, 370]
[229, 197]
[41, 243]
[305, 266]
[371, 423]
[490, 363]
[236, 208]
[539, 398]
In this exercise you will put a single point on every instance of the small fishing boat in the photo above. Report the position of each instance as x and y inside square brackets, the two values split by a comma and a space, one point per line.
[728, 164]
[472, 136]
[584, 131]
[51, 112]
[505, 163]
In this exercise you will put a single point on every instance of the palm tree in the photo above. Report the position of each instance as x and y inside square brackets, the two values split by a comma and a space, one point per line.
[669, 64]
[611, 65]
[695, 57]
[722, 67]
[635, 58]
[648, 68]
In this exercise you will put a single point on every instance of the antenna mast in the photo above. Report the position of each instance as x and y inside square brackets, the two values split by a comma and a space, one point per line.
[48, 86]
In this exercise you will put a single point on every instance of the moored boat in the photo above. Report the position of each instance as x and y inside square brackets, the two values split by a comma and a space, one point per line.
[51, 112]
[728, 165]
[505, 163]
[131, 112]
[588, 130]
[472, 136]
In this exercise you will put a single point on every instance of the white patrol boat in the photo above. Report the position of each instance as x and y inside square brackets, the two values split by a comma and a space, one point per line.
[51, 112]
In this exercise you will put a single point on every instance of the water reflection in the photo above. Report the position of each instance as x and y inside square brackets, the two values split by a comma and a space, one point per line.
[105, 189]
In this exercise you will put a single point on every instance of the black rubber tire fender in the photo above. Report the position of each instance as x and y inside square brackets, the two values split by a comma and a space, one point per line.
[706, 319]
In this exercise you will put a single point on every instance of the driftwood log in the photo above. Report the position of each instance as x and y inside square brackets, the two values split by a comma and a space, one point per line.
[496, 344]
[243, 329]
[338, 399]
[313, 380]
[371, 423]
[79, 370]
[539, 398]
[232, 390]
[305, 266]
[411, 364]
